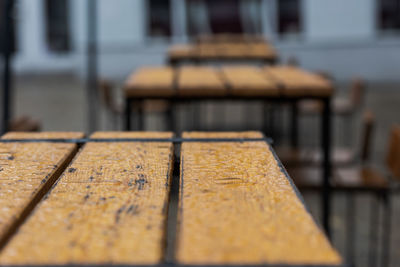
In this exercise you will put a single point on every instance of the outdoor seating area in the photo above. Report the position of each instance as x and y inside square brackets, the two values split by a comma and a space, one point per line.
[199, 132]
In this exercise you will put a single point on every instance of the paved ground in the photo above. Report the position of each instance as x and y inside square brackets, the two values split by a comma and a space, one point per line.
[59, 103]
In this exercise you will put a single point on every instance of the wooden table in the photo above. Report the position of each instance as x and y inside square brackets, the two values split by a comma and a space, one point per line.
[223, 51]
[243, 83]
[109, 202]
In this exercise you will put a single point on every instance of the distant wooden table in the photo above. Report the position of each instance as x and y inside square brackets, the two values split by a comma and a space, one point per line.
[217, 52]
[244, 83]
[109, 203]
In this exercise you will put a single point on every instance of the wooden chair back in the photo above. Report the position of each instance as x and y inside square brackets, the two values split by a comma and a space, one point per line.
[366, 138]
[357, 92]
[105, 93]
[393, 155]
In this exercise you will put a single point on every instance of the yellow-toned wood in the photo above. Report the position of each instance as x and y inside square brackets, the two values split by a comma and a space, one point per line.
[109, 207]
[27, 171]
[150, 81]
[223, 50]
[181, 51]
[200, 81]
[249, 81]
[297, 82]
[237, 207]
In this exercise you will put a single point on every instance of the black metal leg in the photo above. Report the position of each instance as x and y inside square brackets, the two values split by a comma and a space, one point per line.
[350, 244]
[92, 71]
[271, 128]
[7, 67]
[386, 231]
[294, 129]
[265, 125]
[170, 118]
[140, 116]
[326, 164]
[128, 111]
[374, 215]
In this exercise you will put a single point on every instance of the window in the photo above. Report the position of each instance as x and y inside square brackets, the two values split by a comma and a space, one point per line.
[57, 25]
[12, 41]
[223, 16]
[389, 15]
[159, 13]
[289, 21]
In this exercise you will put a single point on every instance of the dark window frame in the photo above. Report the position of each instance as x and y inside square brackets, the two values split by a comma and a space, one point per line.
[282, 30]
[149, 21]
[379, 16]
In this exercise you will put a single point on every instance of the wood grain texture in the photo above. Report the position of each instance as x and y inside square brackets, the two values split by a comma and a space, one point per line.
[298, 82]
[200, 81]
[108, 207]
[249, 81]
[150, 81]
[238, 207]
[27, 171]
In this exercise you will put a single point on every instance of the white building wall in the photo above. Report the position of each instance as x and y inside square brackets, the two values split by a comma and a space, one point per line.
[339, 36]
[339, 20]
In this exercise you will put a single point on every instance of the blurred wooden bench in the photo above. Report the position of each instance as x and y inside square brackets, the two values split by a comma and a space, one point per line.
[242, 81]
[109, 206]
[222, 52]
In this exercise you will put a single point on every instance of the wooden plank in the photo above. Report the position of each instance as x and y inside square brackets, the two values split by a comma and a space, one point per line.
[200, 81]
[150, 81]
[27, 171]
[249, 81]
[237, 207]
[298, 82]
[109, 207]
[181, 52]
[262, 51]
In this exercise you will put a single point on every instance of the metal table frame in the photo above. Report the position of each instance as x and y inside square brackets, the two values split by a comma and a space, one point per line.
[293, 100]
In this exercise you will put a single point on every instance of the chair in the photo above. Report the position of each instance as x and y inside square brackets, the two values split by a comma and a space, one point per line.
[344, 107]
[24, 124]
[341, 156]
[362, 178]
[115, 111]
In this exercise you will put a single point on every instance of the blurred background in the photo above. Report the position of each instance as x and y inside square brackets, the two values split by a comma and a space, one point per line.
[56, 53]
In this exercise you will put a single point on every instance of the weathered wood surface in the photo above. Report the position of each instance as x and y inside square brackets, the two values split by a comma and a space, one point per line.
[27, 171]
[151, 81]
[109, 206]
[249, 81]
[200, 81]
[237, 207]
[297, 82]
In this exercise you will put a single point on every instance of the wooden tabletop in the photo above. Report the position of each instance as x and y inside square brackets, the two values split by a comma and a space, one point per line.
[246, 81]
[223, 51]
[237, 206]
[110, 204]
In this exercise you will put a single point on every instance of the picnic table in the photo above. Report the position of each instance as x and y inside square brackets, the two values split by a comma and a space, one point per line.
[222, 51]
[280, 84]
[70, 200]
